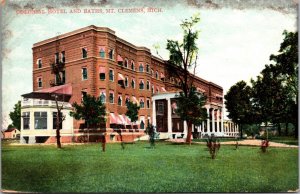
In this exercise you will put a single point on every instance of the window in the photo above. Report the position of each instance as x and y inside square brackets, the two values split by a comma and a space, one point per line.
[119, 100]
[132, 65]
[111, 75]
[84, 53]
[142, 125]
[60, 78]
[126, 81]
[56, 58]
[141, 85]
[141, 68]
[142, 103]
[160, 108]
[111, 97]
[147, 68]
[152, 73]
[126, 63]
[148, 85]
[156, 75]
[103, 97]
[40, 83]
[39, 62]
[63, 58]
[102, 53]
[111, 54]
[127, 100]
[132, 83]
[157, 90]
[152, 90]
[55, 120]
[40, 120]
[120, 60]
[84, 73]
[83, 94]
[148, 103]
[102, 76]
[26, 120]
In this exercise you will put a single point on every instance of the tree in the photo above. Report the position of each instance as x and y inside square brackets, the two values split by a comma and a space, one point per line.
[91, 110]
[286, 69]
[239, 105]
[15, 116]
[183, 57]
[59, 119]
[132, 111]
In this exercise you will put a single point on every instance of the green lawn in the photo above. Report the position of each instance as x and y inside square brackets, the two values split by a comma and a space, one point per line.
[286, 140]
[167, 168]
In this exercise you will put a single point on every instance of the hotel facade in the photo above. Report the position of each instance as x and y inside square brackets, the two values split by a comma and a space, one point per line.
[99, 63]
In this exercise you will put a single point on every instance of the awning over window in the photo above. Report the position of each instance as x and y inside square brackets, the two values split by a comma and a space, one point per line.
[102, 69]
[121, 77]
[63, 93]
[127, 120]
[134, 99]
[119, 58]
[122, 120]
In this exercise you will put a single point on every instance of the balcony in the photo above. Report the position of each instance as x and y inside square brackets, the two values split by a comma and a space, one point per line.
[40, 102]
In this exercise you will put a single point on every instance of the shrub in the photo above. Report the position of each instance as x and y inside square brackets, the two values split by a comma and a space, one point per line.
[213, 145]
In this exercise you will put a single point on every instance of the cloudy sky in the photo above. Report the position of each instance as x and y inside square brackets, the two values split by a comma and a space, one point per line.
[235, 41]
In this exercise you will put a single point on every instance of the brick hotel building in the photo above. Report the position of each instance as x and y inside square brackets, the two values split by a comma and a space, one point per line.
[99, 63]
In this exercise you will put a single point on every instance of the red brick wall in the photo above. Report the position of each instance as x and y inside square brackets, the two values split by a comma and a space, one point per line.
[92, 40]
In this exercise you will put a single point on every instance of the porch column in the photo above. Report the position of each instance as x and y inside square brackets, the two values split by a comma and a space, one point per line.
[169, 115]
[185, 128]
[153, 114]
[213, 121]
[218, 120]
[222, 120]
[207, 121]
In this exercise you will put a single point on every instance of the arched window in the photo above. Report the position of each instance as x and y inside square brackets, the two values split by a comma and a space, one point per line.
[142, 125]
[141, 68]
[119, 100]
[152, 90]
[132, 83]
[156, 75]
[102, 53]
[148, 85]
[147, 68]
[126, 81]
[111, 54]
[126, 63]
[141, 85]
[103, 97]
[132, 65]
[127, 100]
[142, 103]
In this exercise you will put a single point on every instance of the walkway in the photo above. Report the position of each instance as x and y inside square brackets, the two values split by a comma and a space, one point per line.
[250, 142]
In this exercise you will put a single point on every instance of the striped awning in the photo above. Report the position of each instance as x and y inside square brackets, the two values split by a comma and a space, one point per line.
[119, 58]
[102, 69]
[121, 77]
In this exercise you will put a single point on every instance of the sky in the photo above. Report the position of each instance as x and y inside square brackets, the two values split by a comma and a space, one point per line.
[234, 42]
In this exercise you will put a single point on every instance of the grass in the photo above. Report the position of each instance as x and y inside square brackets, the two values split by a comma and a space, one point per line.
[167, 168]
[220, 139]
